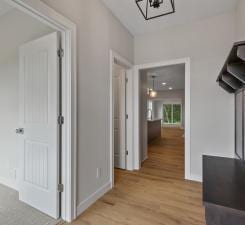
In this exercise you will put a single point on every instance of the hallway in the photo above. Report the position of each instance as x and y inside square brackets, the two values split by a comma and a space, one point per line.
[155, 195]
[166, 155]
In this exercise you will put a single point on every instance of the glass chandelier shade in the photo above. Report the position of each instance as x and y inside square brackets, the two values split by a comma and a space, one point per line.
[152, 92]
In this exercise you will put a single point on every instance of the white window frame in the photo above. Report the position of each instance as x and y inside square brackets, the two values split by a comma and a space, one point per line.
[150, 108]
[50, 17]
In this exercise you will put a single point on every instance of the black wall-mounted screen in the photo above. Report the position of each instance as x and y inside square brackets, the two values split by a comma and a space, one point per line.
[239, 124]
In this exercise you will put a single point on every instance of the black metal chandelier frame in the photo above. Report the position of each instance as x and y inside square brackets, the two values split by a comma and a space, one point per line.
[152, 3]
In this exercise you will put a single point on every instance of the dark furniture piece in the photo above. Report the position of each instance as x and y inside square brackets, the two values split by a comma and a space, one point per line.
[232, 76]
[154, 130]
[224, 190]
[224, 178]
[232, 79]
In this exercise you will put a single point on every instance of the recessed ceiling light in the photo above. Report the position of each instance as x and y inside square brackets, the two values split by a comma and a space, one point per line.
[164, 84]
[170, 88]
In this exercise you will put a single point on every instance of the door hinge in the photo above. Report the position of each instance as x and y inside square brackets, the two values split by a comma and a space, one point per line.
[61, 53]
[126, 80]
[60, 188]
[61, 120]
[126, 116]
[126, 152]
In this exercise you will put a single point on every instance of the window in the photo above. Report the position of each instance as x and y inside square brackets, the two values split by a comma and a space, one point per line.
[172, 113]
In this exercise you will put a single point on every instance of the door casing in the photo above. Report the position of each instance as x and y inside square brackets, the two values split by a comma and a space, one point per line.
[50, 17]
[137, 69]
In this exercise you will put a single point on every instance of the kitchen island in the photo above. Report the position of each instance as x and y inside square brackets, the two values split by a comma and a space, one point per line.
[154, 129]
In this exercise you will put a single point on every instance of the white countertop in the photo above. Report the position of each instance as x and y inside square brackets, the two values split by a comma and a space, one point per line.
[153, 120]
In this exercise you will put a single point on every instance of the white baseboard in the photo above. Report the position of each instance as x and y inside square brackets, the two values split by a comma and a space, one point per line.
[93, 198]
[9, 183]
[144, 159]
[196, 178]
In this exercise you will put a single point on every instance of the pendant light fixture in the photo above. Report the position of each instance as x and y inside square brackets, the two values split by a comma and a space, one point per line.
[152, 92]
[151, 9]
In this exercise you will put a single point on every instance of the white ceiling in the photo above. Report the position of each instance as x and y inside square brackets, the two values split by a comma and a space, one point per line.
[4, 7]
[173, 76]
[186, 11]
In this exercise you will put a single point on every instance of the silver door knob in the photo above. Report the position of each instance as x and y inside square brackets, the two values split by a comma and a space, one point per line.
[20, 131]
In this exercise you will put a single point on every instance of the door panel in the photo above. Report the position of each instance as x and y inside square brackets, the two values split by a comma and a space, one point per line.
[36, 88]
[38, 83]
[119, 102]
[36, 173]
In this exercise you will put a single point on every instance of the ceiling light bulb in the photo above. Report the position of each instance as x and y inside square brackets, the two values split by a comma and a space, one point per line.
[153, 94]
[170, 88]
[164, 84]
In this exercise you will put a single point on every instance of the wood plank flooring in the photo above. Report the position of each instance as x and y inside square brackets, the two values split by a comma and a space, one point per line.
[166, 155]
[155, 195]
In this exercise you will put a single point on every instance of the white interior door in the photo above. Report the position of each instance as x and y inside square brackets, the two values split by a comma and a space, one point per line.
[38, 133]
[119, 93]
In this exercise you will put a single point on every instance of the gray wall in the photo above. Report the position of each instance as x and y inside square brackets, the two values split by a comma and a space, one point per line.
[98, 31]
[16, 29]
[211, 108]
[207, 43]
[240, 23]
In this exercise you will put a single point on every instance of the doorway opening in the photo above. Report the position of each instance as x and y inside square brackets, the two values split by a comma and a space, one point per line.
[162, 118]
[119, 103]
[121, 114]
[34, 180]
[162, 103]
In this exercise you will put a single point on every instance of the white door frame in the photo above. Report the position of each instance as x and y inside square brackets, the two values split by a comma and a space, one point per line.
[137, 68]
[47, 15]
[116, 58]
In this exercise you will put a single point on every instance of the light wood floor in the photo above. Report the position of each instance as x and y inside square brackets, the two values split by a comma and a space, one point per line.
[166, 155]
[155, 195]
